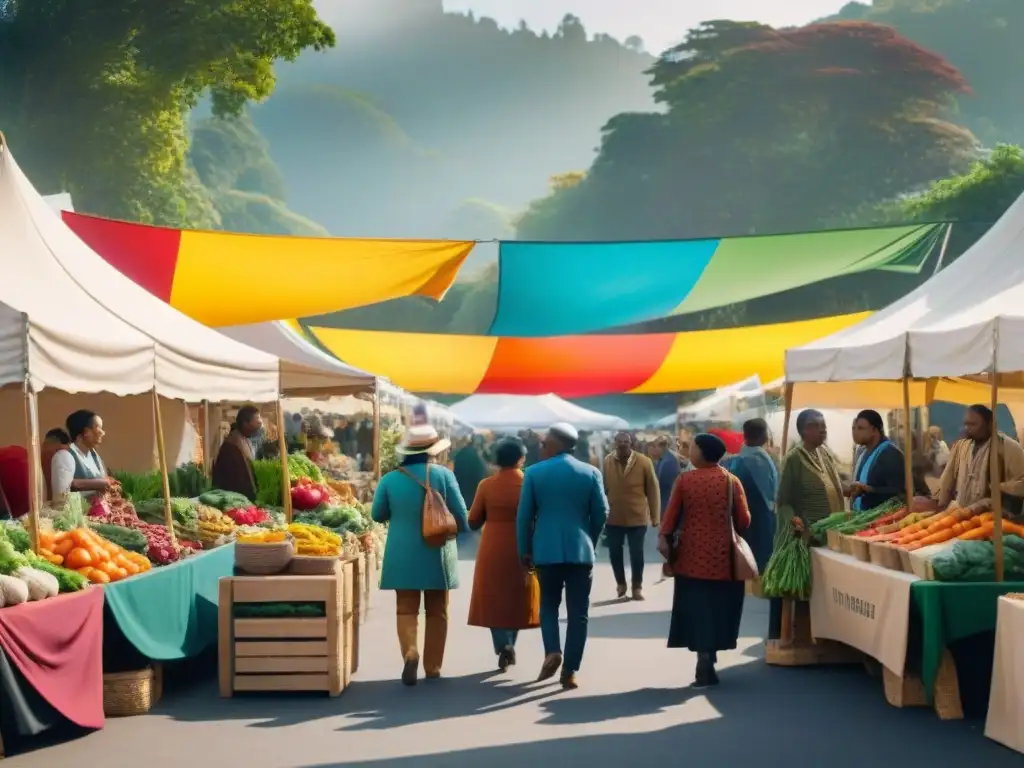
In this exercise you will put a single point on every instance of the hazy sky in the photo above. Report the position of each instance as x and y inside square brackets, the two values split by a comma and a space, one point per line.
[659, 22]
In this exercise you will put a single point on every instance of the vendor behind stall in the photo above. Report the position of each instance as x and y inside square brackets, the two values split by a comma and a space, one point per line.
[232, 469]
[80, 467]
[966, 477]
[879, 473]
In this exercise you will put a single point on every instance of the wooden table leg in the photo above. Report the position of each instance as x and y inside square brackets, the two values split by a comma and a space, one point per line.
[786, 633]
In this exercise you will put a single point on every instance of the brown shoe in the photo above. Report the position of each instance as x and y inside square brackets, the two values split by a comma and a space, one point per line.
[621, 590]
[410, 672]
[551, 664]
[569, 681]
[638, 592]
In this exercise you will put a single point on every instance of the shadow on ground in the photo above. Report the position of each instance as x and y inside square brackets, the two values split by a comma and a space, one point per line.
[371, 704]
[766, 716]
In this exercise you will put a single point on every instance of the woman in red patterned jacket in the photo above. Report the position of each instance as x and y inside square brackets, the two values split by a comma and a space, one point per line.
[696, 542]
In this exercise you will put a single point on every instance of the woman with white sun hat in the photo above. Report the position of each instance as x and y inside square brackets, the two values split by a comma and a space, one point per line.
[419, 573]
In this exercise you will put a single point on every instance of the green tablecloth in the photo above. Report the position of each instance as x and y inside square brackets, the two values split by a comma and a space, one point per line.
[951, 611]
[170, 613]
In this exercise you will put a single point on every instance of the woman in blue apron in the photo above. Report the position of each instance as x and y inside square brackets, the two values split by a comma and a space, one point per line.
[879, 473]
[80, 467]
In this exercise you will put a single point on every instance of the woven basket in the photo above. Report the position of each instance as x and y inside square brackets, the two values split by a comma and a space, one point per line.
[264, 559]
[835, 541]
[846, 545]
[126, 694]
[312, 565]
[859, 548]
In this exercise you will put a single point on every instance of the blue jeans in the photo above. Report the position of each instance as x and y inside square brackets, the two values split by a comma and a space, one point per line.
[504, 638]
[634, 536]
[575, 581]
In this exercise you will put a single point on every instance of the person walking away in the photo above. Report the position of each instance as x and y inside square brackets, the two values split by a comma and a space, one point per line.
[501, 600]
[757, 473]
[634, 501]
[470, 468]
[810, 489]
[232, 469]
[562, 510]
[966, 478]
[707, 504]
[666, 468]
[417, 571]
[879, 473]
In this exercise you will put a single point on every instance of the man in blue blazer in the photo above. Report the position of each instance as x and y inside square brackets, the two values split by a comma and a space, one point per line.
[562, 510]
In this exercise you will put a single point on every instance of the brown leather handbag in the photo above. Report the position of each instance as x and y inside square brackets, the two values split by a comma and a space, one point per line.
[439, 525]
[744, 566]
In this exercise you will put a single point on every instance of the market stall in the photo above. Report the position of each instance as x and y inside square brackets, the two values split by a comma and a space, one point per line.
[957, 339]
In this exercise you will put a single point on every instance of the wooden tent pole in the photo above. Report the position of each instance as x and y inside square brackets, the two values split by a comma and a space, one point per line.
[286, 481]
[204, 415]
[788, 398]
[161, 449]
[996, 493]
[908, 445]
[376, 434]
[34, 465]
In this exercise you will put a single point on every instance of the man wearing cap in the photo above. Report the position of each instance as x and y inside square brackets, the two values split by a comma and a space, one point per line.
[562, 510]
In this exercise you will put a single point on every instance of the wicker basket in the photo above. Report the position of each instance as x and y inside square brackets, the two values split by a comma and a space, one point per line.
[835, 541]
[845, 544]
[906, 564]
[312, 565]
[859, 548]
[126, 694]
[264, 559]
[885, 555]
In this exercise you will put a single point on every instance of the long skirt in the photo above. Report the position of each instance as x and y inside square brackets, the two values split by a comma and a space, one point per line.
[706, 614]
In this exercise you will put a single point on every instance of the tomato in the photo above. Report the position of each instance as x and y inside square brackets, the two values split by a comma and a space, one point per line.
[86, 571]
[63, 546]
[79, 557]
[98, 577]
[80, 537]
[122, 573]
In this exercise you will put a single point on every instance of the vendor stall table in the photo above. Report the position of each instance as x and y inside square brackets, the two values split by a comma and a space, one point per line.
[894, 617]
[168, 613]
[51, 666]
[1005, 722]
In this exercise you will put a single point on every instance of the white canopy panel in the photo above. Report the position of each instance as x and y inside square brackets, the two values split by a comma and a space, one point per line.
[955, 324]
[515, 412]
[305, 370]
[73, 322]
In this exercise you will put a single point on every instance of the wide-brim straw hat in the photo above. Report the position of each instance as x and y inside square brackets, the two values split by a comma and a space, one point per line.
[422, 438]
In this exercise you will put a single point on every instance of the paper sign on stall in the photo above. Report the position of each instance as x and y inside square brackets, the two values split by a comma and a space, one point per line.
[861, 605]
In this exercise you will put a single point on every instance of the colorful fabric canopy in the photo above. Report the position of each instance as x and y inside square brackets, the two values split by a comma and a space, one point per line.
[576, 366]
[223, 279]
[554, 289]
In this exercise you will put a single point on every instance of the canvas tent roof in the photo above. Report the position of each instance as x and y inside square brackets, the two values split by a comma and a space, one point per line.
[515, 412]
[305, 370]
[70, 321]
[966, 320]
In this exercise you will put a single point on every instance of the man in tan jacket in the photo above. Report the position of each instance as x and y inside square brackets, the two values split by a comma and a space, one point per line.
[634, 502]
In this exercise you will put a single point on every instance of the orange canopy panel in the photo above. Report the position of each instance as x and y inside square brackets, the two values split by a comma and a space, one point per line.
[576, 366]
[223, 279]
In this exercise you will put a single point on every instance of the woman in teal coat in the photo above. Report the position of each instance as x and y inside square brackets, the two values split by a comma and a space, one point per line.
[411, 567]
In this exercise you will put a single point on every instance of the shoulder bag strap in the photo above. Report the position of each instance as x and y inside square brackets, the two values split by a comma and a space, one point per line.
[425, 486]
[729, 501]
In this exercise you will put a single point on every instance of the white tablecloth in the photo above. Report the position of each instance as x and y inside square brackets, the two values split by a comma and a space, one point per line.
[1005, 722]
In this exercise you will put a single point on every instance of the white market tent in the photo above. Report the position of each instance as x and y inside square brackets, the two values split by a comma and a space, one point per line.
[70, 321]
[516, 412]
[967, 321]
[727, 403]
[305, 370]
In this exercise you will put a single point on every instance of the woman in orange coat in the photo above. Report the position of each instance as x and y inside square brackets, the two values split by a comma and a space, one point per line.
[502, 600]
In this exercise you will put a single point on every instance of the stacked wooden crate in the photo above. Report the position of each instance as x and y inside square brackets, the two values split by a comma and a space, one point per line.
[287, 653]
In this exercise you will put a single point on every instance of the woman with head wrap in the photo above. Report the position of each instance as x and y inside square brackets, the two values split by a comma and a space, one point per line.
[879, 473]
[810, 489]
[696, 542]
[501, 601]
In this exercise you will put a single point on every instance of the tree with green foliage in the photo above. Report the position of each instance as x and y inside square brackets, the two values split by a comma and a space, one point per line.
[94, 95]
[765, 131]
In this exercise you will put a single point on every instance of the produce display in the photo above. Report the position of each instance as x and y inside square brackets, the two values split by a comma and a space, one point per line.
[213, 525]
[308, 495]
[187, 481]
[97, 559]
[976, 561]
[224, 500]
[25, 576]
[314, 540]
[249, 515]
[346, 518]
[261, 536]
[160, 550]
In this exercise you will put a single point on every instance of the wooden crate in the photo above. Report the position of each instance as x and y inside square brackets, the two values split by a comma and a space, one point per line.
[350, 626]
[285, 654]
[359, 589]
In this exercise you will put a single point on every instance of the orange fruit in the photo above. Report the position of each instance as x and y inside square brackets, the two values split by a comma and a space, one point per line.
[86, 571]
[79, 557]
[98, 577]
